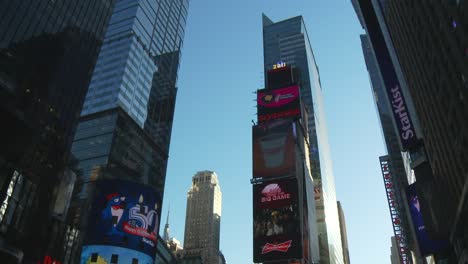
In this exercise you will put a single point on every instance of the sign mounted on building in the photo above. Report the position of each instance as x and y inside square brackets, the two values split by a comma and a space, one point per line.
[274, 149]
[427, 246]
[99, 254]
[124, 214]
[405, 128]
[278, 103]
[399, 231]
[276, 221]
[279, 65]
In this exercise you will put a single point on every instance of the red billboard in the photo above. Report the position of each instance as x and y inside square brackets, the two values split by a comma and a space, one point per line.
[276, 231]
[278, 103]
[274, 152]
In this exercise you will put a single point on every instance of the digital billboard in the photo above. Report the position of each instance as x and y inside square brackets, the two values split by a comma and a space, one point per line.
[274, 149]
[124, 214]
[276, 231]
[96, 254]
[278, 103]
[427, 246]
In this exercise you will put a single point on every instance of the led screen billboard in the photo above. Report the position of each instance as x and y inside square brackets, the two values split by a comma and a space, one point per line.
[96, 254]
[278, 103]
[276, 221]
[124, 214]
[427, 246]
[274, 152]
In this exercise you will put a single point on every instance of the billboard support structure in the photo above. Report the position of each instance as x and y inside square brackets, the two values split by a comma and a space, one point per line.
[398, 229]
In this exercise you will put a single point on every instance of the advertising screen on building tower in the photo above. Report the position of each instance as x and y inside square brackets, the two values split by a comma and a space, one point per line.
[274, 149]
[278, 103]
[124, 214]
[426, 245]
[276, 221]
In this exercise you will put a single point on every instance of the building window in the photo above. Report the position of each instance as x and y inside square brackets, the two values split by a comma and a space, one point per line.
[114, 259]
[20, 194]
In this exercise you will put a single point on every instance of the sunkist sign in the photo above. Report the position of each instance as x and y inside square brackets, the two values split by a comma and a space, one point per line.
[405, 128]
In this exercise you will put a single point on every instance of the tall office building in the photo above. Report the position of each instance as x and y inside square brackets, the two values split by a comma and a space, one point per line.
[344, 234]
[400, 178]
[122, 141]
[287, 42]
[48, 50]
[203, 218]
[429, 40]
[432, 48]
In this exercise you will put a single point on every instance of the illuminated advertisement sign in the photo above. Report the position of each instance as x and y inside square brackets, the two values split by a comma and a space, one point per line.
[279, 65]
[49, 260]
[273, 149]
[399, 231]
[398, 105]
[426, 245]
[276, 221]
[96, 254]
[124, 214]
[278, 103]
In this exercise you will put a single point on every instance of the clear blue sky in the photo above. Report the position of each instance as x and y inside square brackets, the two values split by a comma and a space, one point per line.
[222, 63]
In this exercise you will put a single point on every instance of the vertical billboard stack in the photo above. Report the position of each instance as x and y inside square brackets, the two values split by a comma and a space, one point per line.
[280, 205]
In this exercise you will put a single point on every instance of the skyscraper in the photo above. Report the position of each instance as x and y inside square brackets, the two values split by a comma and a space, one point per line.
[432, 49]
[48, 50]
[344, 234]
[203, 217]
[287, 42]
[125, 127]
[436, 97]
[398, 160]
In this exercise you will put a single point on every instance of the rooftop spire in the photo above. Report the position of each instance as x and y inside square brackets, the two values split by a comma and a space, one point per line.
[166, 227]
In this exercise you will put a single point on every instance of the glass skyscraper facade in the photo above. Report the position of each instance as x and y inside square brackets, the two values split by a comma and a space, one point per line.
[126, 121]
[287, 41]
[48, 50]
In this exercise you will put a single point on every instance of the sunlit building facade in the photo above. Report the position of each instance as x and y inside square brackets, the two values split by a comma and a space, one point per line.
[203, 218]
[287, 42]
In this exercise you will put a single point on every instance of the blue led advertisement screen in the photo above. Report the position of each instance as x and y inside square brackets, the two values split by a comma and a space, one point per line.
[124, 214]
[427, 246]
[110, 254]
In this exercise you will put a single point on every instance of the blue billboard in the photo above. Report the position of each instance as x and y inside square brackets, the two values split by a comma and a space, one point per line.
[110, 254]
[124, 214]
[427, 245]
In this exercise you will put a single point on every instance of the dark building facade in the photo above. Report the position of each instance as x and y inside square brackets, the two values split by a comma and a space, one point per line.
[430, 39]
[125, 127]
[399, 174]
[430, 42]
[48, 50]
